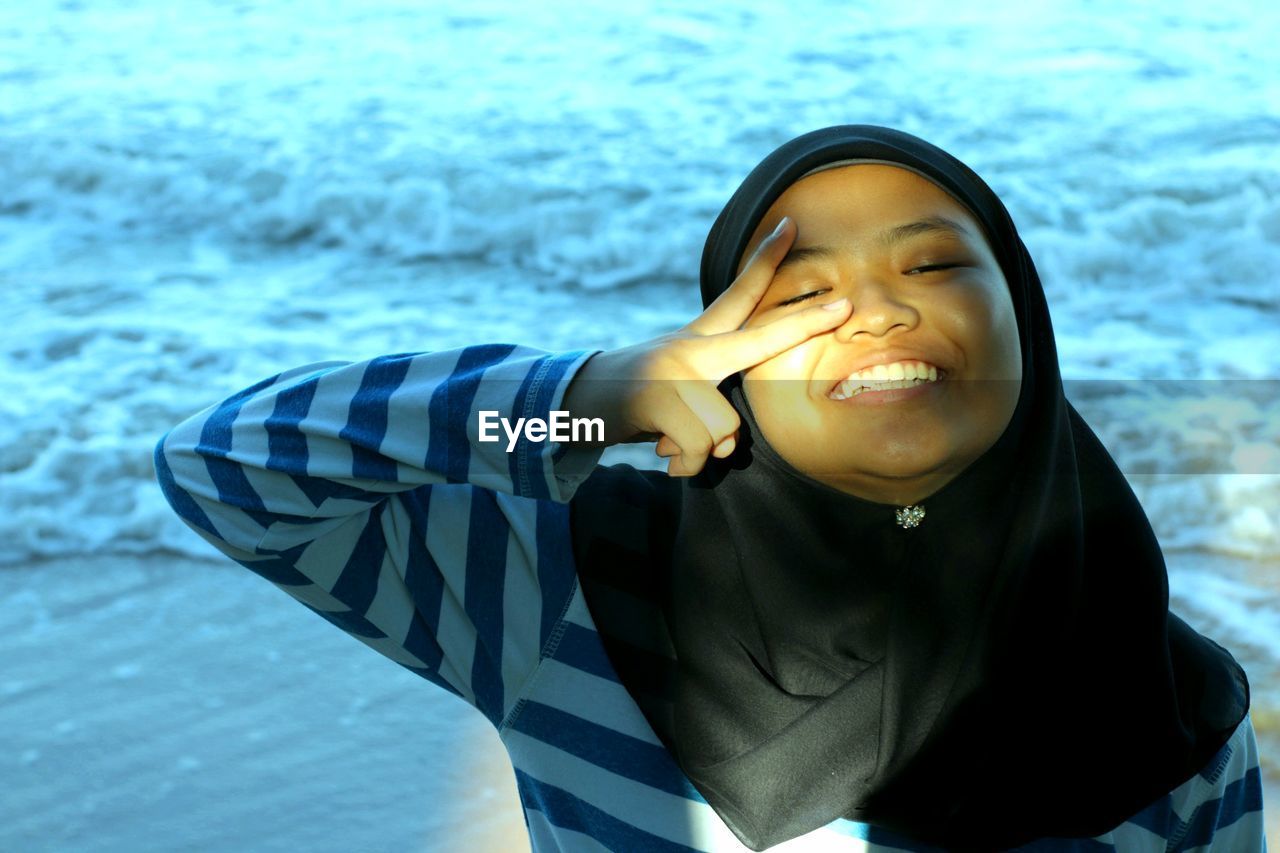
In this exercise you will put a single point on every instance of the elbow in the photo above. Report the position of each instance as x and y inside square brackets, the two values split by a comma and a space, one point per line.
[178, 496]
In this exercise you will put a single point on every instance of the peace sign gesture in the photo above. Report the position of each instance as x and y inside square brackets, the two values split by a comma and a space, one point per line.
[667, 387]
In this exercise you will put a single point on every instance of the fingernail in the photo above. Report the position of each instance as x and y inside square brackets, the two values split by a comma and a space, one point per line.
[837, 305]
[777, 229]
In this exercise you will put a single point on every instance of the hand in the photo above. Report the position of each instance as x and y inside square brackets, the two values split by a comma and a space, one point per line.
[667, 387]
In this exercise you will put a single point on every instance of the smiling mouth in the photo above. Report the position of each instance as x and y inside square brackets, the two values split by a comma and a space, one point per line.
[886, 377]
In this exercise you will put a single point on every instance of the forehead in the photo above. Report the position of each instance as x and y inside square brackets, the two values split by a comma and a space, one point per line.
[848, 202]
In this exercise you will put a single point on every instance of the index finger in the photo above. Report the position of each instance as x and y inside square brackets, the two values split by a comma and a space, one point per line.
[745, 348]
[732, 307]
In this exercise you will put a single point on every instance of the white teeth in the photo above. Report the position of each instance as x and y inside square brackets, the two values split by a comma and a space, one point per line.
[897, 370]
[848, 389]
[882, 377]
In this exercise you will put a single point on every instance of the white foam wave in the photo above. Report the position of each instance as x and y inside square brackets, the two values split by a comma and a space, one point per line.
[199, 198]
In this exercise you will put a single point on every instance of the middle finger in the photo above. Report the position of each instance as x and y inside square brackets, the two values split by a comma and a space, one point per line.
[732, 307]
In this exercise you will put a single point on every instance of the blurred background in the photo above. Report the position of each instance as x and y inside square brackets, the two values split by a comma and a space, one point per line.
[196, 196]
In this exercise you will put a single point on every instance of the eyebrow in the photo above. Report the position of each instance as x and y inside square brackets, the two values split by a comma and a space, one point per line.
[888, 238]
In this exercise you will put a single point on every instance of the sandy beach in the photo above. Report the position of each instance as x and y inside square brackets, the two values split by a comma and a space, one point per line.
[178, 704]
[174, 704]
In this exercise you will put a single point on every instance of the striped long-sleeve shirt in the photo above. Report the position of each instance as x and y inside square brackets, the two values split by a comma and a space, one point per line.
[363, 491]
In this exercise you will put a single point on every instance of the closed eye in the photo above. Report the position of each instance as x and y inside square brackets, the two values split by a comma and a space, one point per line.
[795, 299]
[931, 268]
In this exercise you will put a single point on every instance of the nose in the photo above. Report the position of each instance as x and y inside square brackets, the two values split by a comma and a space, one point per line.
[877, 310]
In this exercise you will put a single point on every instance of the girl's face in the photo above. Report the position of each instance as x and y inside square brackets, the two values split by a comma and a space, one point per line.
[926, 288]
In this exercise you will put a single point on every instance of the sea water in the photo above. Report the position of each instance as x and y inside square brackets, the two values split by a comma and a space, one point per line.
[195, 196]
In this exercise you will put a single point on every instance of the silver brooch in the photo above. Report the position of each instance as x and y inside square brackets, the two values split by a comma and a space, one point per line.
[909, 516]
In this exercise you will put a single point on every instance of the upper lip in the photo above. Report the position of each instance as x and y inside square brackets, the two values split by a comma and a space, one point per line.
[888, 356]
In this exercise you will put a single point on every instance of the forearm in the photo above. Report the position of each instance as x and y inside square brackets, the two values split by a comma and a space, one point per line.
[303, 450]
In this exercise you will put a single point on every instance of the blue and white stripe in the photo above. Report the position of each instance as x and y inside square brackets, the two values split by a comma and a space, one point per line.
[362, 490]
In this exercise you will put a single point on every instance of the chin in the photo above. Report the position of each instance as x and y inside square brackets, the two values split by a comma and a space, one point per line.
[889, 455]
[888, 467]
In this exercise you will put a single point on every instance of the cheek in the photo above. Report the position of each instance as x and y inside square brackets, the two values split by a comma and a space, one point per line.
[983, 324]
[794, 363]
[987, 329]
[776, 390]
[1006, 343]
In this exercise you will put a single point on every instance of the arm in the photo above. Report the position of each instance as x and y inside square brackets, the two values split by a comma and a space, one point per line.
[362, 490]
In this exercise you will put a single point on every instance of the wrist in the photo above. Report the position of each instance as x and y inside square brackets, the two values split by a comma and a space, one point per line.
[593, 393]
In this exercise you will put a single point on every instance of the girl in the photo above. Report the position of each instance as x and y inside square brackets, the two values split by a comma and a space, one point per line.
[894, 594]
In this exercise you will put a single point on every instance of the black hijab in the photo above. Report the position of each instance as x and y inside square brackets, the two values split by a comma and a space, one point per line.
[1007, 670]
